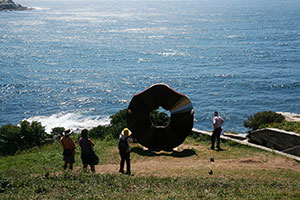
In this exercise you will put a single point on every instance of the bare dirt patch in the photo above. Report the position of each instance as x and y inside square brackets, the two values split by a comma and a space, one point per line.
[168, 164]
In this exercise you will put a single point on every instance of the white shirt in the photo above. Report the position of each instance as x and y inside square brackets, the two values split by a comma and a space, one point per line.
[217, 121]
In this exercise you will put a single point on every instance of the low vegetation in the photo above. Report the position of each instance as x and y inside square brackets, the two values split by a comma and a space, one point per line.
[269, 119]
[287, 126]
[239, 172]
[19, 138]
[263, 118]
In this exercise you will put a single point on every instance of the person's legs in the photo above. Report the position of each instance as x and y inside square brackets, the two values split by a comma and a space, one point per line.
[218, 135]
[128, 163]
[85, 167]
[71, 160]
[70, 166]
[65, 165]
[213, 136]
[122, 162]
[93, 168]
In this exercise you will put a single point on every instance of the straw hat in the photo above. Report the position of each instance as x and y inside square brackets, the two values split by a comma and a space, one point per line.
[67, 132]
[126, 132]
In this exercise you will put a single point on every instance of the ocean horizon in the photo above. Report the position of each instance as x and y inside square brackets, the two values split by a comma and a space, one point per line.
[75, 63]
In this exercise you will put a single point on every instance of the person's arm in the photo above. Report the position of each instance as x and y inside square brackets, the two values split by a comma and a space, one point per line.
[61, 142]
[91, 142]
[214, 122]
[222, 120]
[129, 139]
[73, 147]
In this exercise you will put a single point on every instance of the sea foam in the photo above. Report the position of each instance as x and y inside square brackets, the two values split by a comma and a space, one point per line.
[74, 121]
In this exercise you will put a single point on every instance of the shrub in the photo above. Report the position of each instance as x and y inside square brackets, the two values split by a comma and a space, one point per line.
[159, 118]
[10, 139]
[263, 118]
[57, 132]
[98, 132]
[117, 124]
[28, 135]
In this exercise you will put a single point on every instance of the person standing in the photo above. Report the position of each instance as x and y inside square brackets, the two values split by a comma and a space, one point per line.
[87, 152]
[124, 150]
[68, 149]
[217, 125]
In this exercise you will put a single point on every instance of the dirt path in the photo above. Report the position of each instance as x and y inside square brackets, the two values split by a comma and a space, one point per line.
[164, 165]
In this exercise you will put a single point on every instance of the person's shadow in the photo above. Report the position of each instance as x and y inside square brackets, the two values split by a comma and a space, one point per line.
[150, 153]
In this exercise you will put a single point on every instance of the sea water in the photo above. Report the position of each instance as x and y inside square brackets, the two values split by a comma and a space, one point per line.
[75, 63]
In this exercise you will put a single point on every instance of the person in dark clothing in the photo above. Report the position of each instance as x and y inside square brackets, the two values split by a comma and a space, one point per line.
[87, 152]
[124, 150]
[217, 124]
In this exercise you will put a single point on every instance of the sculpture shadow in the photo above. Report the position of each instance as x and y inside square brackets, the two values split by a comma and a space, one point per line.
[177, 154]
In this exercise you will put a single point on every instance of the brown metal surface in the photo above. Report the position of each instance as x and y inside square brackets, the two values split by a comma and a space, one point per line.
[160, 138]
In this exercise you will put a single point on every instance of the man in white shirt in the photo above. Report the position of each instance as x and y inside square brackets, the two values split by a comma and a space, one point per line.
[217, 124]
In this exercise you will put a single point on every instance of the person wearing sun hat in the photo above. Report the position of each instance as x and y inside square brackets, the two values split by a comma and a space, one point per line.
[68, 149]
[124, 150]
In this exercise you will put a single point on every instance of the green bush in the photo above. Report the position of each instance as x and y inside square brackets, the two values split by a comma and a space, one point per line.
[98, 132]
[15, 138]
[263, 118]
[117, 124]
[159, 118]
[10, 139]
[57, 132]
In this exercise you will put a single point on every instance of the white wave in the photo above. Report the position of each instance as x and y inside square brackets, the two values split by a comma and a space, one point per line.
[40, 8]
[171, 52]
[232, 36]
[74, 121]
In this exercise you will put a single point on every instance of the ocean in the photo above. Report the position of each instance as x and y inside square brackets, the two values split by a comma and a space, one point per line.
[75, 63]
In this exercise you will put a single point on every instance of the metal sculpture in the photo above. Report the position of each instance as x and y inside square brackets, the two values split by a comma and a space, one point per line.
[154, 137]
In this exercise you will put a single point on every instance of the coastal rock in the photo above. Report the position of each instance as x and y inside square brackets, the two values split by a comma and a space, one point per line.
[9, 5]
[290, 117]
[277, 139]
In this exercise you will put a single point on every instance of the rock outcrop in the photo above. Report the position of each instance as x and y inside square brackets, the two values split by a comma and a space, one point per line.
[9, 5]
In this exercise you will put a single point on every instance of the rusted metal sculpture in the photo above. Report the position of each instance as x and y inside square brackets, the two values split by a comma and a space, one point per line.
[160, 138]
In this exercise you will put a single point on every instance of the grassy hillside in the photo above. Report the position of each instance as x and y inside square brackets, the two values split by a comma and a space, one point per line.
[239, 172]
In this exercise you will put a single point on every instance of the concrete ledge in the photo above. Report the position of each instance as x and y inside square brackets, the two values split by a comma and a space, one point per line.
[281, 140]
[245, 142]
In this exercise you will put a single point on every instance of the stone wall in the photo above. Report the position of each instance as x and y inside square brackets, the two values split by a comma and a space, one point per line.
[277, 139]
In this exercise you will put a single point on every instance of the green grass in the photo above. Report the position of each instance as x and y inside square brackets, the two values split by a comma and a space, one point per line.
[287, 126]
[38, 174]
[94, 186]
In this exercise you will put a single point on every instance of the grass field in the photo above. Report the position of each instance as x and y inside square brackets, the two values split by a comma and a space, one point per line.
[239, 172]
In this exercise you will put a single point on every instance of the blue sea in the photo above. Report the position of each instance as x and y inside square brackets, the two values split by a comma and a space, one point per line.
[75, 63]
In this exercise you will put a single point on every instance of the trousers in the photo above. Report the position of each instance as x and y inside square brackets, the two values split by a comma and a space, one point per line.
[125, 157]
[216, 134]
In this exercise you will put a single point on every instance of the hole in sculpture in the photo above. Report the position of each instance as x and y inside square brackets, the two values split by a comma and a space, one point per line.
[160, 117]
